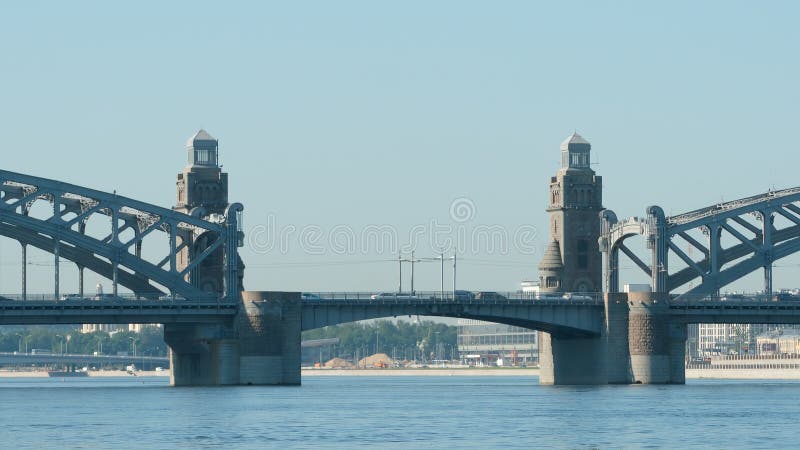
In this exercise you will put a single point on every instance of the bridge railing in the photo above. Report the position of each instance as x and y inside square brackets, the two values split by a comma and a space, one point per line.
[783, 298]
[449, 297]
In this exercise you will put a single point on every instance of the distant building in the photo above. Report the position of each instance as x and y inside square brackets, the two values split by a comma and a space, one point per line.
[708, 339]
[530, 287]
[484, 343]
[114, 327]
[107, 327]
[778, 342]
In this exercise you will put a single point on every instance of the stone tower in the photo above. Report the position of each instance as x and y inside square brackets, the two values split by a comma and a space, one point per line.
[572, 261]
[202, 190]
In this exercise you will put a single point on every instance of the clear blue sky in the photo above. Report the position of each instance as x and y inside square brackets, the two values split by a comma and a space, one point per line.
[364, 113]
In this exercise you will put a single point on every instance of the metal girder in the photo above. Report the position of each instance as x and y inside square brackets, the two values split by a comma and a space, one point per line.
[734, 208]
[82, 257]
[726, 276]
[750, 227]
[65, 237]
[767, 245]
[677, 250]
[636, 260]
[683, 276]
[694, 242]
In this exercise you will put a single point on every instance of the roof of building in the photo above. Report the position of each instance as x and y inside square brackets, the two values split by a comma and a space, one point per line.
[552, 257]
[574, 138]
[201, 135]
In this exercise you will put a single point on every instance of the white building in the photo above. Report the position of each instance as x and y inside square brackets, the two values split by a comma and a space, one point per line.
[488, 343]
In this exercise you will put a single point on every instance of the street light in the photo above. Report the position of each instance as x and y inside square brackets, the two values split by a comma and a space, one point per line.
[20, 343]
[60, 344]
[133, 339]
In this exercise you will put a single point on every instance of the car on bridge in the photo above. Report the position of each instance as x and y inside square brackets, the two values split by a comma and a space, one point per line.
[785, 296]
[464, 295]
[576, 296]
[489, 295]
[309, 296]
[733, 298]
[71, 297]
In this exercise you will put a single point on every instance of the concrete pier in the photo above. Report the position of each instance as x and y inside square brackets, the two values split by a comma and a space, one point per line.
[202, 355]
[268, 328]
[572, 360]
[260, 347]
[617, 328]
[677, 353]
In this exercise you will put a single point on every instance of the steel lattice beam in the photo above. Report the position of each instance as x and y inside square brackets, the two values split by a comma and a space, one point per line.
[66, 237]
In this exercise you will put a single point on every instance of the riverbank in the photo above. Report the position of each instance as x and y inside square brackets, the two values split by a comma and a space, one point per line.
[99, 373]
[430, 371]
[720, 374]
[744, 374]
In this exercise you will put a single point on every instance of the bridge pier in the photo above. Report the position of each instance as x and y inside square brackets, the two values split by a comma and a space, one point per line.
[617, 328]
[260, 346]
[677, 353]
[202, 355]
[648, 337]
[572, 360]
[268, 327]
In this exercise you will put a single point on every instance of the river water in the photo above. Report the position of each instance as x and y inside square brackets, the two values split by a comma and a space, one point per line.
[396, 412]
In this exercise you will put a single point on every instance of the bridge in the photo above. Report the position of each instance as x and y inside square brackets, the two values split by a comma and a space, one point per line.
[190, 278]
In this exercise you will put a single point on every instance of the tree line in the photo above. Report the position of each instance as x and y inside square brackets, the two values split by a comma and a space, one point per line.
[424, 341]
[148, 342]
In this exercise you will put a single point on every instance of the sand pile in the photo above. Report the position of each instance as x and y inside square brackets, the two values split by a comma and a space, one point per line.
[376, 360]
[338, 363]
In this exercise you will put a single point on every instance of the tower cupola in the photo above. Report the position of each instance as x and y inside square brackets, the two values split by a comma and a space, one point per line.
[202, 150]
[575, 152]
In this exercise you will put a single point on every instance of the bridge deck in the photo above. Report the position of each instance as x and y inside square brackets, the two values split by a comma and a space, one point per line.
[578, 317]
[741, 311]
[110, 311]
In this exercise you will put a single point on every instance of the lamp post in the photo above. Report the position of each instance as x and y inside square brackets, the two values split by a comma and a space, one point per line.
[442, 258]
[60, 344]
[20, 342]
[133, 340]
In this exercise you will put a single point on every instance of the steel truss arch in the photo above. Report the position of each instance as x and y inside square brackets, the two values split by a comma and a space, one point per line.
[750, 222]
[113, 256]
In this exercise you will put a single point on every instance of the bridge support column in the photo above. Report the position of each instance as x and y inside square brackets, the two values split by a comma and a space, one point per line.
[648, 337]
[619, 356]
[202, 355]
[677, 353]
[572, 360]
[269, 328]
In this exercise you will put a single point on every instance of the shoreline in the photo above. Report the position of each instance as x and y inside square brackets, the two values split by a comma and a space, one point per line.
[691, 374]
[94, 374]
[430, 371]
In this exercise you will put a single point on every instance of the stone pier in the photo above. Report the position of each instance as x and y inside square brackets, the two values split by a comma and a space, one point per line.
[202, 354]
[260, 347]
[268, 327]
[617, 323]
[572, 360]
[657, 346]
